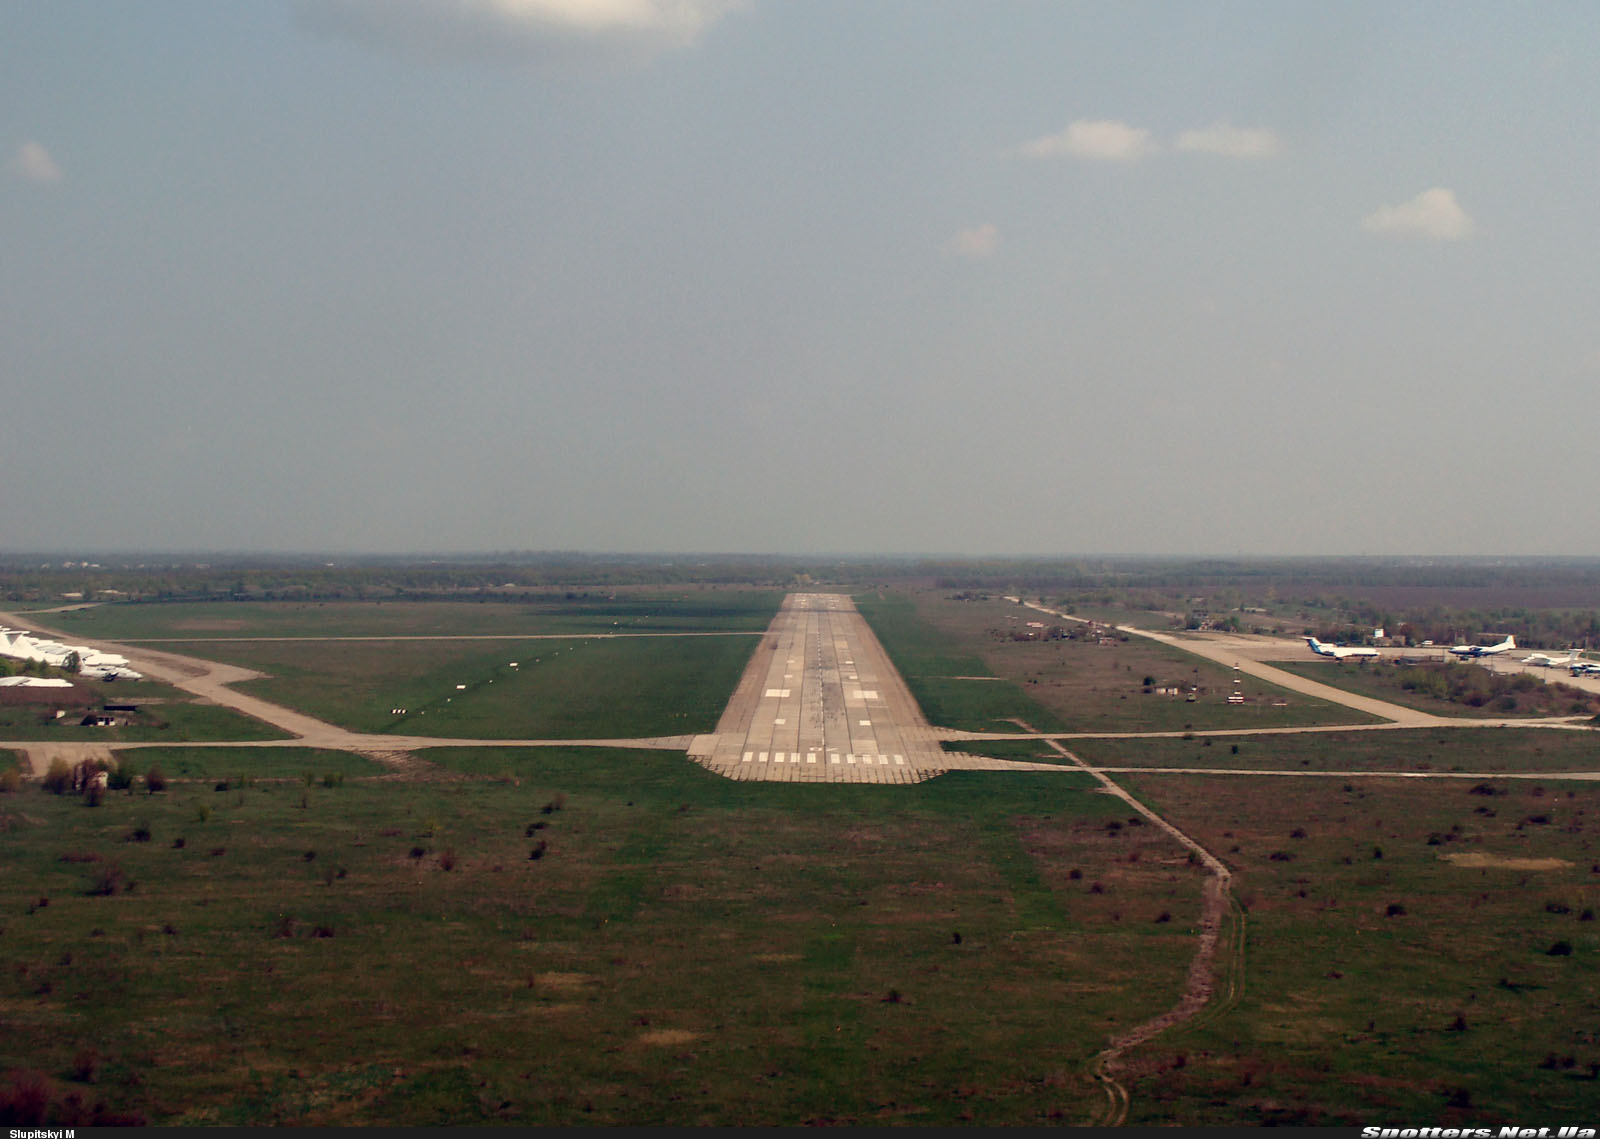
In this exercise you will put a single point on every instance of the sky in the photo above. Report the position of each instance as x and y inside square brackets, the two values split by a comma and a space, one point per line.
[864, 277]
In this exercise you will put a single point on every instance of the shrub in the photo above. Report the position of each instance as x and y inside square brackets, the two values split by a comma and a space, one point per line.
[85, 1064]
[111, 880]
[1394, 910]
[447, 859]
[93, 793]
[140, 833]
[155, 780]
[58, 779]
[10, 781]
[1559, 949]
[120, 778]
[537, 852]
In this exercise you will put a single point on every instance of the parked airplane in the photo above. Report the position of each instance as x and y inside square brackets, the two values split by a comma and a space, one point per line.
[1545, 660]
[1504, 646]
[1341, 652]
[1586, 668]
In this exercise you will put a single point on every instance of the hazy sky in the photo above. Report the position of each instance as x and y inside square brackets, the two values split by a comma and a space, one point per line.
[800, 276]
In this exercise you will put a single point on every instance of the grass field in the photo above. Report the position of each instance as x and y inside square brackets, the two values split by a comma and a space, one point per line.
[560, 689]
[1065, 685]
[1420, 953]
[634, 611]
[165, 714]
[238, 765]
[684, 949]
[941, 674]
[569, 936]
[1439, 749]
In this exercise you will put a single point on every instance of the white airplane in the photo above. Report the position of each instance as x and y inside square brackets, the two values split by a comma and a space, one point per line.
[1545, 660]
[1341, 652]
[1586, 668]
[1504, 646]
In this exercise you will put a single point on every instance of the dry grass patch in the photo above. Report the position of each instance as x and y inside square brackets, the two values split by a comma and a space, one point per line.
[1476, 860]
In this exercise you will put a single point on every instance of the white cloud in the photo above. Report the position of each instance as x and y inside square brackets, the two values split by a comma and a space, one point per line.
[1104, 140]
[1434, 214]
[34, 163]
[1230, 141]
[518, 30]
[978, 242]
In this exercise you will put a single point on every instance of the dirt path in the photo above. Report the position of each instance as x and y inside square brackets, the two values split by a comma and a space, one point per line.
[1201, 984]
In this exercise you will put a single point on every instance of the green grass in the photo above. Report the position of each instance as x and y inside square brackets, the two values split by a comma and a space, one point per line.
[727, 610]
[687, 948]
[238, 764]
[1423, 749]
[927, 660]
[1069, 685]
[1029, 751]
[560, 689]
[1350, 1010]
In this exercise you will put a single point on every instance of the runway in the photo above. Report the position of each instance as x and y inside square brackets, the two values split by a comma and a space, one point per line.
[820, 701]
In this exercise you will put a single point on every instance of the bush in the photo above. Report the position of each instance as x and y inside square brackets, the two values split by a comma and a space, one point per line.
[1559, 949]
[155, 780]
[120, 778]
[111, 880]
[85, 1064]
[58, 779]
[10, 781]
